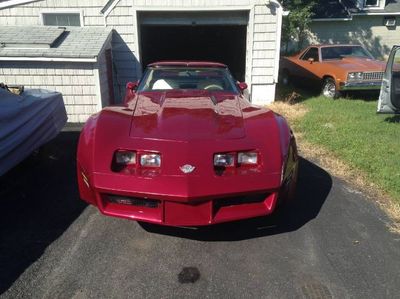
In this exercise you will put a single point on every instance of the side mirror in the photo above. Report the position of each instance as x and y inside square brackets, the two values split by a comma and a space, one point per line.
[242, 86]
[310, 60]
[130, 91]
[132, 85]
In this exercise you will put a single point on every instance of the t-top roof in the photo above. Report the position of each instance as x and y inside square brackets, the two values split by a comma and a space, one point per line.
[188, 64]
[28, 42]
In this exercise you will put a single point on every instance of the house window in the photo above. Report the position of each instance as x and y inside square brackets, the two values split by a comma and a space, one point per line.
[371, 2]
[61, 19]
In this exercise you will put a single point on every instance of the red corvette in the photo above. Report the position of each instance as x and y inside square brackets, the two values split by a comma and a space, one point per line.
[186, 149]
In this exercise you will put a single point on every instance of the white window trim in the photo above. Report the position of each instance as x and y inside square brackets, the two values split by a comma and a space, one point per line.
[373, 7]
[61, 11]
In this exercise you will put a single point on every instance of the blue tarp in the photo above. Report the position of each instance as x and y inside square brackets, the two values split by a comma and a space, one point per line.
[27, 122]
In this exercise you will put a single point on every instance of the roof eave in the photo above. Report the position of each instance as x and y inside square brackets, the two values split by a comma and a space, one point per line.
[331, 19]
[48, 59]
[11, 3]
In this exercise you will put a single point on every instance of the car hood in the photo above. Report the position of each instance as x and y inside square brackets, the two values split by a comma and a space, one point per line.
[359, 64]
[185, 116]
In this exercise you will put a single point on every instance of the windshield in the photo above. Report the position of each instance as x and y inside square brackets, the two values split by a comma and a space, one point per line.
[338, 52]
[199, 78]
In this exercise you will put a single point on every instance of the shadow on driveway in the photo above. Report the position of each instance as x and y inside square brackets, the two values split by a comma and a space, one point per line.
[39, 200]
[313, 188]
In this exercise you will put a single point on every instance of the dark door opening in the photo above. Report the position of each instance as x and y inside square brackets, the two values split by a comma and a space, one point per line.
[220, 43]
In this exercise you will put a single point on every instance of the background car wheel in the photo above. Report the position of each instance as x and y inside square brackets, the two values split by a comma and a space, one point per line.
[329, 89]
[285, 78]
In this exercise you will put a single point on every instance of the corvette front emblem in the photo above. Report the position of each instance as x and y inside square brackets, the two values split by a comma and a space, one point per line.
[187, 168]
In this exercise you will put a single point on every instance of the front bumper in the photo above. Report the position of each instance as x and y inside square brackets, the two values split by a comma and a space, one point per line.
[180, 201]
[197, 212]
[368, 85]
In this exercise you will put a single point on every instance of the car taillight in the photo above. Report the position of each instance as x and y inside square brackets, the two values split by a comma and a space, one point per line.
[224, 160]
[247, 158]
[124, 158]
[150, 160]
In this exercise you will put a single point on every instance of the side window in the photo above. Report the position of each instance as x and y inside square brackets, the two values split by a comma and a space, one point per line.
[311, 53]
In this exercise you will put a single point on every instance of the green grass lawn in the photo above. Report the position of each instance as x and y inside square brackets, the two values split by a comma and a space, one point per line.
[353, 131]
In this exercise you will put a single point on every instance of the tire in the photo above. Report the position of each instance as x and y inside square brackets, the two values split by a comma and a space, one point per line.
[329, 88]
[285, 78]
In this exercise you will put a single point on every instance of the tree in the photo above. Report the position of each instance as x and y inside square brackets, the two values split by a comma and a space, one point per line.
[297, 23]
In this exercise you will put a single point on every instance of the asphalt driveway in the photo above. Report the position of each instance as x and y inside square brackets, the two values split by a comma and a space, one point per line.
[332, 242]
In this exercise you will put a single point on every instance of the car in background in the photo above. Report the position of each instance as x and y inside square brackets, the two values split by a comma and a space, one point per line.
[389, 98]
[335, 68]
[186, 149]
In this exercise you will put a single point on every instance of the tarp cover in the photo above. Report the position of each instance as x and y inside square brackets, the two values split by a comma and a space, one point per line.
[27, 122]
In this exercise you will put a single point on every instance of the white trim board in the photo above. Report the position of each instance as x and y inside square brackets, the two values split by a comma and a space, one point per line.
[332, 19]
[360, 14]
[192, 8]
[109, 9]
[376, 14]
[54, 59]
[10, 3]
[279, 16]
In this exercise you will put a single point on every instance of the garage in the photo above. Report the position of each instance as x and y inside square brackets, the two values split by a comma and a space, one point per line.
[215, 36]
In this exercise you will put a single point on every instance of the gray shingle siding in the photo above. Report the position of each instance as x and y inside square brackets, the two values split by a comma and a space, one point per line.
[74, 80]
[366, 30]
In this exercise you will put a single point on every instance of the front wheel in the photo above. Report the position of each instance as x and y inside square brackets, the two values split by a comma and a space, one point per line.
[329, 88]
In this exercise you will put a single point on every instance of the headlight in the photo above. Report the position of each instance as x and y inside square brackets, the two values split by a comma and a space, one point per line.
[123, 157]
[224, 160]
[150, 160]
[250, 158]
[355, 76]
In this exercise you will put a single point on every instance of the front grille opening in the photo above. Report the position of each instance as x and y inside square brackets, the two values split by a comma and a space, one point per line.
[373, 75]
[133, 201]
[239, 200]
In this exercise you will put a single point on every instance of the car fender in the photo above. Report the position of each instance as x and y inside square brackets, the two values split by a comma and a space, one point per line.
[288, 149]
[85, 159]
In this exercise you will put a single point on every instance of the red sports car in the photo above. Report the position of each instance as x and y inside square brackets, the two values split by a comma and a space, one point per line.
[186, 149]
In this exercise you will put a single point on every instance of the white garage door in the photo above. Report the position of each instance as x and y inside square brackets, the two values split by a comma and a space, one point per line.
[194, 18]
